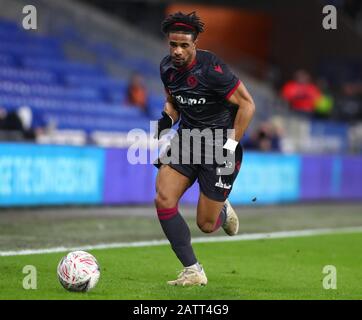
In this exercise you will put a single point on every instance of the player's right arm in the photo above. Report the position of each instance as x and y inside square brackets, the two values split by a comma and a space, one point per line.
[169, 116]
[170, 108]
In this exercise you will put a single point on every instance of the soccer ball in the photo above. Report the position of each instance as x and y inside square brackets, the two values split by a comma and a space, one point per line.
[78, 271]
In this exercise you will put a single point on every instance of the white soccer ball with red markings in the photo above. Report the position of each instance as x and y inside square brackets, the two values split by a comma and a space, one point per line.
[78, 271]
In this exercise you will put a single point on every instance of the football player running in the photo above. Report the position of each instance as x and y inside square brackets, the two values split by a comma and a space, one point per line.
[202, 93]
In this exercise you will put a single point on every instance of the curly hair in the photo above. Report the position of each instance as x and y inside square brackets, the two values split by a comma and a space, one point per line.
[187, 23]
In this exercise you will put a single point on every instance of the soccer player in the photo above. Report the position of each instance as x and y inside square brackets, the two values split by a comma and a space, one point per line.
[202, 93]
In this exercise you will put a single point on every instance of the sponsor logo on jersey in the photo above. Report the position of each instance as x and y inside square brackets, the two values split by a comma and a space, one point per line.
[190, 101]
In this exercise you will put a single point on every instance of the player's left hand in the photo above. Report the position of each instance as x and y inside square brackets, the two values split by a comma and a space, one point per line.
[230, 154]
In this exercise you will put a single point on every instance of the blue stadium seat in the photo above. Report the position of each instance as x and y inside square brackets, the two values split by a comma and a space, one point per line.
[115, 96]
[105, 50]
[99, 82]
[141, 66]
[34, 71]
[63, 67]
[75, 106]
[26, 38]
[155, 105]
[91, 123]
[30, 76]
[8, 25]
[50, 91]
[6, 60]
[30, 48]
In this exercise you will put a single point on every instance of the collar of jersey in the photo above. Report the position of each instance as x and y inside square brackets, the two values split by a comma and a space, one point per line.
[188, 67]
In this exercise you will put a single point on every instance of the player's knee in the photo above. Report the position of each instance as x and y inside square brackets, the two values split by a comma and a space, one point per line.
[206, 226]
[163, 201]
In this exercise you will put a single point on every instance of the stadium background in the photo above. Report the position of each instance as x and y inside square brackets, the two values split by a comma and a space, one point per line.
[64, 177]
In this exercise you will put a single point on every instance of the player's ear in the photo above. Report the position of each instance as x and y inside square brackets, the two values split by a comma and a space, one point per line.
[195, 42]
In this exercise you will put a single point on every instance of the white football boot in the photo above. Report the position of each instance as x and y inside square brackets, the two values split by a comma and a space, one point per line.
[190, 276]
[231, 224]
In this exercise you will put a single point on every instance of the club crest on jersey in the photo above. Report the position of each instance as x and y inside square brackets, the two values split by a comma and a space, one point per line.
[192, 81]
[217, 68]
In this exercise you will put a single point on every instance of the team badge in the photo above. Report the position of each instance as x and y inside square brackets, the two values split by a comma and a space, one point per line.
[192, 81]
[217, 68]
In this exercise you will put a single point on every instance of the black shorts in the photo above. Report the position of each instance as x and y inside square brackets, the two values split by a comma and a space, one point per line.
[215, 187]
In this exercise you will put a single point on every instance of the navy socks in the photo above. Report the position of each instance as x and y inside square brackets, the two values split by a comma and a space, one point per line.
[178, 233]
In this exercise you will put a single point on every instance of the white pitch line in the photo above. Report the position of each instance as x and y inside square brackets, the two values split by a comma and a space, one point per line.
[248, 236]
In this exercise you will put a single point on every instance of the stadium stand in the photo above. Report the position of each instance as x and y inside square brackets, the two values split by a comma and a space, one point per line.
[73, 71]
[47, 74]
[73, 95]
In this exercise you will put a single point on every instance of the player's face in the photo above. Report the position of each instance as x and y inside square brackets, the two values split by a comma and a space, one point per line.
[182, 48]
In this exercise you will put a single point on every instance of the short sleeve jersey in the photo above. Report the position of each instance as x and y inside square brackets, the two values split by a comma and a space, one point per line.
[201, 91]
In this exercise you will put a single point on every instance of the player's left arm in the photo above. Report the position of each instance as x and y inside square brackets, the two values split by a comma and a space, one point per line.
[246, 109]
[227, 86]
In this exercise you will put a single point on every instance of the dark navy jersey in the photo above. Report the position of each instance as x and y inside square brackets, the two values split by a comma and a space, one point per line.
[200, 91]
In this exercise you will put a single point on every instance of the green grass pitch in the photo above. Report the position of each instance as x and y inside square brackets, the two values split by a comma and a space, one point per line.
[288, 268]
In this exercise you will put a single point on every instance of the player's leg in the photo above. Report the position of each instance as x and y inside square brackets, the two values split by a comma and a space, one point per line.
[170, 186]
[212, 214]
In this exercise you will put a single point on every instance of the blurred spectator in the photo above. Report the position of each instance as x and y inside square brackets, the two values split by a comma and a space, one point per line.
[349, 101]
[136, 92]
[12, 128]
[9, 120]
[352, 89]
[33, 122]
[265, 138]
[20, 124]
[301, 93]
[325, 102]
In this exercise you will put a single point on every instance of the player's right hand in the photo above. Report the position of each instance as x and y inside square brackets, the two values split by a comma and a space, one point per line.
[166, 122]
